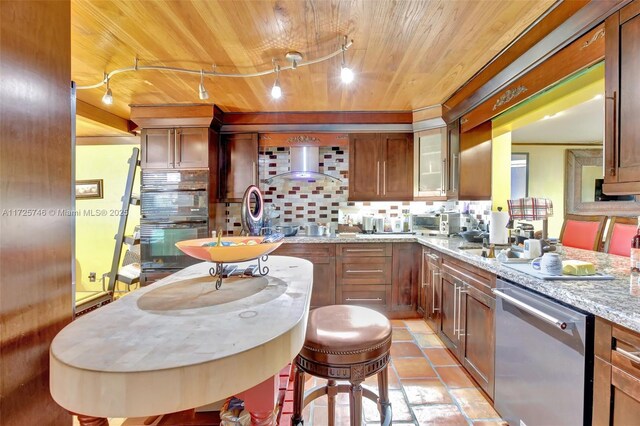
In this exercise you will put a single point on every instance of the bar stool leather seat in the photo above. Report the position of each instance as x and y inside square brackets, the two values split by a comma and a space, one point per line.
[344, 342]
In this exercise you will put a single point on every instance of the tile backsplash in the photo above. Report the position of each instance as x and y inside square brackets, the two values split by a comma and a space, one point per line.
[302, 201]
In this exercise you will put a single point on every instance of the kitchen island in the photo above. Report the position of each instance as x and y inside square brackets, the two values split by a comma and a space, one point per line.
[181, 344]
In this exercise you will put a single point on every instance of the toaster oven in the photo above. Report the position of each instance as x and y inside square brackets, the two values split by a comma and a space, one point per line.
[448, 223]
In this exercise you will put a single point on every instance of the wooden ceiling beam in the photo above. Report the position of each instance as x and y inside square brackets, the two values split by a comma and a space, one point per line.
[103, 117]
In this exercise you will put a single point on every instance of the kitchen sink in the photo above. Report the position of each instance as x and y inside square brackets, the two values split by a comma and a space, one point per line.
[513, 256]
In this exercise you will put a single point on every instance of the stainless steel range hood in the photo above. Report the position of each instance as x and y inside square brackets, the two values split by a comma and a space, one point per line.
[304, 163]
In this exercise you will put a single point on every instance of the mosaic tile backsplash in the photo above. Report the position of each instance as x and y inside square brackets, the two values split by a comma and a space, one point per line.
[299, 202]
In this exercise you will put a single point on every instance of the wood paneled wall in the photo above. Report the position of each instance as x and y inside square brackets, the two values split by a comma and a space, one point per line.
[35, 181]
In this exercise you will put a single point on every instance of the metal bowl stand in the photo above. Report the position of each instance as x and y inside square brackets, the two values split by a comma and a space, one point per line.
[216, 272]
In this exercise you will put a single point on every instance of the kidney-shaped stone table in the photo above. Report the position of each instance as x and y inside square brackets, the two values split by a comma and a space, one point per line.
[180, 344]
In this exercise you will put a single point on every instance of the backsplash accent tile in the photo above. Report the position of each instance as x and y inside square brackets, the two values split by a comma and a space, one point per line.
[303, 201]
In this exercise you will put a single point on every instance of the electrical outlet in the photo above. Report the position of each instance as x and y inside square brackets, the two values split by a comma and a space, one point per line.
[92, 277]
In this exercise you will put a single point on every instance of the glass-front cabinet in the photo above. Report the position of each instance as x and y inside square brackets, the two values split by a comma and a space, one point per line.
[431, 160]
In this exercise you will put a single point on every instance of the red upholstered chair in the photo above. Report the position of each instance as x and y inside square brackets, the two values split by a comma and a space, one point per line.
[584, 232]
[621, 231]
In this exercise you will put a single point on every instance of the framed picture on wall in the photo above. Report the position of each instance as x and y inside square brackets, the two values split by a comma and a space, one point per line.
[91, 188]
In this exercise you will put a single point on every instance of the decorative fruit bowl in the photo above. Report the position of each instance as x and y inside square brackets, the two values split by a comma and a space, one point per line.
[228, 249]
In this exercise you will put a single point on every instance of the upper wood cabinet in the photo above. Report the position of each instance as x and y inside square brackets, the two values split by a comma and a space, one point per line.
[380, 167]
[622, 82]
[238, 165]
[181, 148]
[430, 164]
[475, 163]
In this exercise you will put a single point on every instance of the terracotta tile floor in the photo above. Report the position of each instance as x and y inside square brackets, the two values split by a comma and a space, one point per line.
[427, 386]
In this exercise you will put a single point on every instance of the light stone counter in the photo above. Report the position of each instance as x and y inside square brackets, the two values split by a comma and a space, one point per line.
[180, 344]
[612, 300]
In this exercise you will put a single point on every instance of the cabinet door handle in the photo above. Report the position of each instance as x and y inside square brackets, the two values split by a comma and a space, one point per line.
[444, 176]
[614, 134]
[377, 299]
[364, 271]
[455, 167]
[461, 291]
[632, 356]
[170, 148]
[384, 178]
[362, 250]
[378, 178]
[177, 156]
[433, 256]
[433, 291]
[455, 312]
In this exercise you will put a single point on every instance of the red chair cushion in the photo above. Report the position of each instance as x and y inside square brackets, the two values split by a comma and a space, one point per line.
[621, 236]
[580, 234]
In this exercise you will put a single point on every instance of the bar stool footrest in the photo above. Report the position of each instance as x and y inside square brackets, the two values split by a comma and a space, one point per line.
[319, 391]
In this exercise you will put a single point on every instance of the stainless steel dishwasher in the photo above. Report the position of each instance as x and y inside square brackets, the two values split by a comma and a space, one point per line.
[544, 359]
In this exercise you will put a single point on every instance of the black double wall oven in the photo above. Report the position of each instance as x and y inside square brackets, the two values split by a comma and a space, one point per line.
[174, 207]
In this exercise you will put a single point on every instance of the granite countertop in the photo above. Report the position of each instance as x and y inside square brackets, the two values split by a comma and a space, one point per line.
[610, 299]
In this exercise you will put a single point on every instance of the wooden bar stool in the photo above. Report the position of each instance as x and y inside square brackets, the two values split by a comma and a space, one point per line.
[349, 343]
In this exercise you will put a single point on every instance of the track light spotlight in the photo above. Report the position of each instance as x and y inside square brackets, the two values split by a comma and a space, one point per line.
[202, 91]
[276, 91]
[346, 74]
[107, 98]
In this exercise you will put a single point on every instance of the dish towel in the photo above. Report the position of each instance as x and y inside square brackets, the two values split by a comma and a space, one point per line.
[530, 208]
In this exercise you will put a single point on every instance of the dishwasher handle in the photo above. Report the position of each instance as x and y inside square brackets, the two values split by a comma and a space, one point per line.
[533, 311]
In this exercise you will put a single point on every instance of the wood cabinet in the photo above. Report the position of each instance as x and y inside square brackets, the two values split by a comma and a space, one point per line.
[380, 166]
[475, 163]
[430, 287]
[238, 165]
[467, 320]
[405, 278]
[616, 383]
[324, 269]
[430, 164]
[363, 275]
[622, 102]
[180, 148]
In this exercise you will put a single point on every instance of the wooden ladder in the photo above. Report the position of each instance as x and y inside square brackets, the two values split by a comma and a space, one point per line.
[128, 200]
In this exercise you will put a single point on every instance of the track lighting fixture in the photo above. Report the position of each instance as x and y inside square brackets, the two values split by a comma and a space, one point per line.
[202, 91]
[346, 74]
[294, 57]
[107, 98]
[276, 91]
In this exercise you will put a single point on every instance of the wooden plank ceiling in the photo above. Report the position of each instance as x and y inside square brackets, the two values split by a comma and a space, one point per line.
[406, 54]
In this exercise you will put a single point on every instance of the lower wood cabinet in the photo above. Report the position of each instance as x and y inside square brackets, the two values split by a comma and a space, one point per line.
[363, 274]
[616, 382]
[324, 269]
[467, 319]
[405, 277]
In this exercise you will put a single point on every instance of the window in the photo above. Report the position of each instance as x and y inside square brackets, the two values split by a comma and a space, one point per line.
[519, 175]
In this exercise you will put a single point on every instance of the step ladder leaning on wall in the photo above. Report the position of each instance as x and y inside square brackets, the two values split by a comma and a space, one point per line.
[129, 272]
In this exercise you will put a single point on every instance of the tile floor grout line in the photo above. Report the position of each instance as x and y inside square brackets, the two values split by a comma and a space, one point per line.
[453, 398]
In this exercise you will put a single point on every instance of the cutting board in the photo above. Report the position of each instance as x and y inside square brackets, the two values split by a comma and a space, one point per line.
[528, 269]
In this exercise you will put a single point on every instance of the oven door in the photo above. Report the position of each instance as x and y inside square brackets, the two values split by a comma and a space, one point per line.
[183, 206]
[158, 239]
